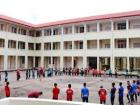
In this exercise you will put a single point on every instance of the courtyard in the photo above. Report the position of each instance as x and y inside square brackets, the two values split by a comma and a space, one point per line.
[22, 87]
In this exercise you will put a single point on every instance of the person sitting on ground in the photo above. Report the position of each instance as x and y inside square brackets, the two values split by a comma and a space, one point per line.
[35, 94]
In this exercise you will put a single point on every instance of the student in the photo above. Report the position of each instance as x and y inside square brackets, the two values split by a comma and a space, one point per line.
[134, 86]
[121, 94]
[7, 90]
[102, 94]
[112, 93]
[84, 93]
[130, 93]
[55, 91]
[35, 94]
[6, 76]
[69, 93]
[18, 74]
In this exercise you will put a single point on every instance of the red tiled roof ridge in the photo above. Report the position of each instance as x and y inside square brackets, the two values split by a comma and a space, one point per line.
[76, 20]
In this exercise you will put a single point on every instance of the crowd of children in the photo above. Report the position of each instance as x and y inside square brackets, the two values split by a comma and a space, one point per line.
[133, 92]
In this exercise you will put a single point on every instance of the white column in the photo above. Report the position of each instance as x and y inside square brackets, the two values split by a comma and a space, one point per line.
[127, 24]
[112, 58]
[85, 28]
[97, 63]
[17, 44]
[72, 45]
[42, 31]
[51, 61]
[61, 63]
[5, 62]
[16, 62]
[128, 63]
[51, 31]
[84, 62]
[72, 62]
[73, 29]
[62, 30]
[26, 62]
[112, 25]
[98, 27]
[6, 55]
[33, 61]
[127, 43]
[98, 45]
[112, 64]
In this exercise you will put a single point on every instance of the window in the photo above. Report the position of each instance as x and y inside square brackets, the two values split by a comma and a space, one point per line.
[81, 45]
[121, 43]
[11, 44]
[48, 32]
[31, 46]
[21, 45]
[38, 46]
[107, 45]
[79, 29]
[121, 26]
[1, 27]
[14, 30]
[136, 45]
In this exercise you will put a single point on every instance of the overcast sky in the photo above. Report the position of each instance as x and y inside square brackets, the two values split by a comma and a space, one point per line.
[40, 11]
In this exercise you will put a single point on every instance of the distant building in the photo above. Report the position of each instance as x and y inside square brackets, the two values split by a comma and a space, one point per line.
[111, 40]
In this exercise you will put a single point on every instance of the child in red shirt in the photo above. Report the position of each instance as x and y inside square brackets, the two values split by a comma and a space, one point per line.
[34, 94]
[102, 94]
[55, 91]
[69, 93]
[7, 90]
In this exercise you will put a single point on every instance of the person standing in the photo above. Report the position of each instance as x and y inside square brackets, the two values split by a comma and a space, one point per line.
[112, 93]
[102, 94]
[84, 93]
[55, 91]
[69, 93]
[18, 74]
[134, 86]
[6, 76]
[130, 95]
[7, 90]
[121, 94]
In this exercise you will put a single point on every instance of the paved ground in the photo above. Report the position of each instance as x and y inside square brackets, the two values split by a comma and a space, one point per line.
[22, 87]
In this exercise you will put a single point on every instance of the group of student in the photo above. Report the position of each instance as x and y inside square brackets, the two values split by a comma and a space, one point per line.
[133, 91]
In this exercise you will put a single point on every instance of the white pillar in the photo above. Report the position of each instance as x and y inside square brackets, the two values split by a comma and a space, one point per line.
[16, 62]
[5, 62]
[127, 43]
[42, 31]
[98, 44]
[61, 63]
[73, 30]
[98, 27]
[26, 62]
[127, 24]
[85, 28]
[72, 45]
[6, 55]
[84, 62]
[128, 64]
[97, 63]
[112, 25]
[72, 62]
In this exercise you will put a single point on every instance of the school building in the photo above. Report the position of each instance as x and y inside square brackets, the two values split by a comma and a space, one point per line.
[110, 40]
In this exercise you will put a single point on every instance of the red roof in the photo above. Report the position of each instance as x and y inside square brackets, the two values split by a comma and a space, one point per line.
[69, 21]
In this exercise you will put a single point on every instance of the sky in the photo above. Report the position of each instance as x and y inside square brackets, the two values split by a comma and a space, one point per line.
[42, 11]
